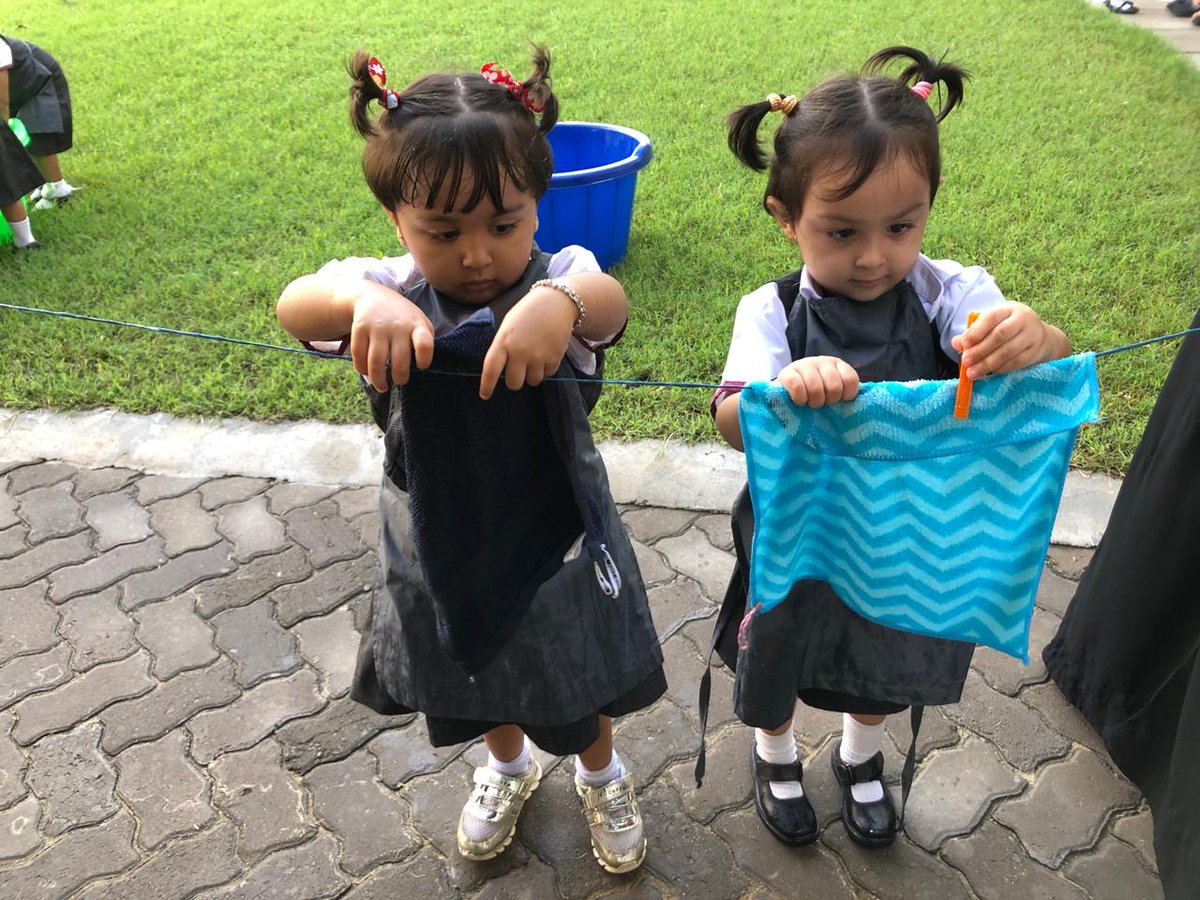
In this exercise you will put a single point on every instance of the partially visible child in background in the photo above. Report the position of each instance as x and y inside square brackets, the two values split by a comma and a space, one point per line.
[855, 169]
[510, 603]
[33, 89]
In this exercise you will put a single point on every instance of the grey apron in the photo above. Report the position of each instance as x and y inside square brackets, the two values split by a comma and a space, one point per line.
[576, 647]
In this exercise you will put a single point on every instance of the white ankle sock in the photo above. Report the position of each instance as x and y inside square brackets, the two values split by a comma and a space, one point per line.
[514, 767]
[22, 233]
[859, 743]
[781, 750]
[614, 770]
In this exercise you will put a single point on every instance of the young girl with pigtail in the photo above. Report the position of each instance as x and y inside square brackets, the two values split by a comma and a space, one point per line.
[855, 169]
[509, 603]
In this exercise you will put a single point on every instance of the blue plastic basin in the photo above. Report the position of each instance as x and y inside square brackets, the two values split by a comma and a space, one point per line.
[590, 199]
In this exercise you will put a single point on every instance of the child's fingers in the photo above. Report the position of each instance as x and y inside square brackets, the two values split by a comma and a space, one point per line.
[849, 380]
[493, 365]
[422, 345]
[360, 343]
[979, 340]
[514, 374]
[999, 344]
[377, 360]
[1014, 354]
[986, 323]
[791, 382]
[400, 358]
[814, 386]
[833, 379]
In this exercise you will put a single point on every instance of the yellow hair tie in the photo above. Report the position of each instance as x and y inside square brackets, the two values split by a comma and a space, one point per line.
[784, 105]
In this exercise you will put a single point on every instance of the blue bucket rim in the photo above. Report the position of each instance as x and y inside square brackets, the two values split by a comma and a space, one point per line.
[638, 159]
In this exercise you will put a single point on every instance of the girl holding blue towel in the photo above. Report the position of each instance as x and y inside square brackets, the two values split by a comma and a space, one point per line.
[509, 603]
[855, 169]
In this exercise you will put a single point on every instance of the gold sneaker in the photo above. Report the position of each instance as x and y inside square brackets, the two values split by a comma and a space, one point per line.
[615, 823]
[489, 819]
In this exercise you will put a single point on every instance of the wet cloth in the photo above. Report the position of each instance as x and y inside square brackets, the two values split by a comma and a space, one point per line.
[576, 652]
[920, 521]
[1128, 651]
[475, 461]
[38, 95]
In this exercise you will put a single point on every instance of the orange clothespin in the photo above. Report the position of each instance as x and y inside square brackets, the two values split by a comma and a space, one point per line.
[962, 400]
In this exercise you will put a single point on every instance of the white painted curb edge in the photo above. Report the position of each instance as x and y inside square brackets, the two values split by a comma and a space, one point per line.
[650, 473]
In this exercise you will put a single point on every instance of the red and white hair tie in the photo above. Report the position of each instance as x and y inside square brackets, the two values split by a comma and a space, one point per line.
[922, 89]
[388, 98]
[497, 74]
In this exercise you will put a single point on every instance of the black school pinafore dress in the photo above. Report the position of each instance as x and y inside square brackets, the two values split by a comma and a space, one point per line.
[508, 591]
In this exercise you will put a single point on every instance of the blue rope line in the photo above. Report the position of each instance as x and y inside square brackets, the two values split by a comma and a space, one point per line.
[1165, 337]
[158, 329]
[161, 330]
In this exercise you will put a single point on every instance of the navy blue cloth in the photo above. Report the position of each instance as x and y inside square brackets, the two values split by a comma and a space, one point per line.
[482, 461]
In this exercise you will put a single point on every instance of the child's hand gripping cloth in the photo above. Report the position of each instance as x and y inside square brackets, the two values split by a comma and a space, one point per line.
[920, 521]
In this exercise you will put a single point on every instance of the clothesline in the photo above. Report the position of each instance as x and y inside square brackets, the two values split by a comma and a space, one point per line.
[628, 382]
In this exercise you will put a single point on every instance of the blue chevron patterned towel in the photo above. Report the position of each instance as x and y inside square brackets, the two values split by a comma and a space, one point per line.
[920, 521]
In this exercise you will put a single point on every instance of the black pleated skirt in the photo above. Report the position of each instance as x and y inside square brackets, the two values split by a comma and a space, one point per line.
[18, 174]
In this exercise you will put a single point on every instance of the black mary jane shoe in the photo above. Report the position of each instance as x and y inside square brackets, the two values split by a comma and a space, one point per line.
[870, 824]
[792, 821]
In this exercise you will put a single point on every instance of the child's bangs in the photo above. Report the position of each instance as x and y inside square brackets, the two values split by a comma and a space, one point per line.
[857, 157]
[864, 151]
[456, 163]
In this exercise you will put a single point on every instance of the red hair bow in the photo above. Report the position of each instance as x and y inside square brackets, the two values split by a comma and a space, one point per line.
[388, 99]
[497, 74]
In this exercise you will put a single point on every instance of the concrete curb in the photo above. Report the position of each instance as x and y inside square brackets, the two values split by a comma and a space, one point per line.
[704, 477]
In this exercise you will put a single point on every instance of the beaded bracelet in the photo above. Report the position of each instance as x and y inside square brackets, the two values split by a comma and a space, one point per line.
[571, 295]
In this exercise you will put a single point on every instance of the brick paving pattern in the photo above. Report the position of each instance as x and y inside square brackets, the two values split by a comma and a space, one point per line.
[175, 661]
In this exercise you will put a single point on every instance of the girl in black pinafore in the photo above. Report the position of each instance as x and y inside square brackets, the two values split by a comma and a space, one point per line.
[38, 95]
[855, 168]
[509, 603]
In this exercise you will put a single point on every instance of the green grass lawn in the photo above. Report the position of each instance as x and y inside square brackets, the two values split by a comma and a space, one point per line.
[218, 163]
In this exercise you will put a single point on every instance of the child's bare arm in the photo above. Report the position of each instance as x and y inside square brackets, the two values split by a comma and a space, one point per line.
[1009, 337]
[605, 302]
[383, 325]
[728, 423]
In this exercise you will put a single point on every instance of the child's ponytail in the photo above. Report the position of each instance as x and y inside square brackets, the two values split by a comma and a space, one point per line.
[364, 90]
[539, 89]
[923, 68]
[743, 125]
